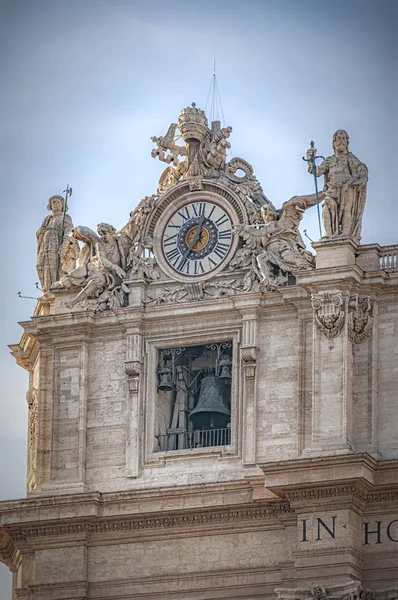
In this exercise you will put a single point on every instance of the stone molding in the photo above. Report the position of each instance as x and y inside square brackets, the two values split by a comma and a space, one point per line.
[160, 522]
[336, 491]
[340, 491]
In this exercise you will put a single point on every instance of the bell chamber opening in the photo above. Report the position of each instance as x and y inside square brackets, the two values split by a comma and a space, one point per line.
[193, 405]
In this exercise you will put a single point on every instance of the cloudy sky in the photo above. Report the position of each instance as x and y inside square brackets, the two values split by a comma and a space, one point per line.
[84, 84]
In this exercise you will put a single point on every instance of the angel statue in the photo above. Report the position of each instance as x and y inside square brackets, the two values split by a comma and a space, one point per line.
[56, 253]
[102, 266]
[275, 247]
[109, 257]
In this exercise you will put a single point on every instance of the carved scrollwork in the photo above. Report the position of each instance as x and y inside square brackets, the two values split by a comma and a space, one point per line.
[329, 313]
[344, 591]
[318, 591]
[194, 292]
[360, 321]
[238, 164]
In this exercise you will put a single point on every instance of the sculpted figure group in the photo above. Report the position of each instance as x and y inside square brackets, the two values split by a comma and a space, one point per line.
[271, 249]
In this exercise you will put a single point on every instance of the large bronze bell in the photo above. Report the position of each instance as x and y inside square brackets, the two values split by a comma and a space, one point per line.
[210, 411]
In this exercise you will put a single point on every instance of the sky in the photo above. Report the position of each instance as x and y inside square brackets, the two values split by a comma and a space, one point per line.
[84, 84]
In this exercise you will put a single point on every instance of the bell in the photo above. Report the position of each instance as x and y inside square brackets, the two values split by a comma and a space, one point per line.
[210, 411]
[225, 368]
[165, 384]
[225, 372]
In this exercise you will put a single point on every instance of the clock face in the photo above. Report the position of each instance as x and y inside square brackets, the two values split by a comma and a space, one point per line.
[197, 238]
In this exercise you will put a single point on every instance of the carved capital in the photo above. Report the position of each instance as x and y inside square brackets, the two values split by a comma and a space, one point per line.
[133, 368]
[249, 355]
[360, 321]
[329, 314]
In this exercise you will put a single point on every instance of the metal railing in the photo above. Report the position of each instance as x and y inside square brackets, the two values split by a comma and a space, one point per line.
[200, 438]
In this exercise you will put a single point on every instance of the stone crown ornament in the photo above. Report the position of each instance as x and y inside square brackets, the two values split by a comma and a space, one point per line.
[193, 123]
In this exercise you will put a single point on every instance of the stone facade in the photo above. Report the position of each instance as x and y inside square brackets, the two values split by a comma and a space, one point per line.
[302, 500]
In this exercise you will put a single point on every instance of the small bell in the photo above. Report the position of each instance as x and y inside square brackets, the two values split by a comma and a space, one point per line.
[225, 368]
[165, 383]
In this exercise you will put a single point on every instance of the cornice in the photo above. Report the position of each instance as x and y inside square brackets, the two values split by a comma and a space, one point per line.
[92, 526]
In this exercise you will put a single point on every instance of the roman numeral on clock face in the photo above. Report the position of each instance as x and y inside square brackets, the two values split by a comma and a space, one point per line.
[185, 213]
[225, 235]
[199, 209]
[221, 249]
[173, 256]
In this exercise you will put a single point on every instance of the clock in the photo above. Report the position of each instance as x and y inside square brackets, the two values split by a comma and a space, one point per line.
[197, 238]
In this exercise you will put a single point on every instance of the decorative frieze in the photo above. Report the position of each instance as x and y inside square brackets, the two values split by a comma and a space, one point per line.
[200, 519]
[350, 590]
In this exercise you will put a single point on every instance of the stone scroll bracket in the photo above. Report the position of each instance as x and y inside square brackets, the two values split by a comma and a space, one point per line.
[133, 368]
[9, 554]
[249, 351]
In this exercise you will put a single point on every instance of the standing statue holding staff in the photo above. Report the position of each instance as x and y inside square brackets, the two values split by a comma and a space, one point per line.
[56, 253]
[345, 188]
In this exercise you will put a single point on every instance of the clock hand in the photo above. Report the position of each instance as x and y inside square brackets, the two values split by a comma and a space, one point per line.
[191, 245]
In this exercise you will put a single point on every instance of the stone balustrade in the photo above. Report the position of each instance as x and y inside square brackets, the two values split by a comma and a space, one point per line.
[389, 258]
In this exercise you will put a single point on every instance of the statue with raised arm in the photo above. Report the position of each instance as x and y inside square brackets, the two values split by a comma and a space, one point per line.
[346, 178]
[55, 251]
[276, 244]
[102, 266]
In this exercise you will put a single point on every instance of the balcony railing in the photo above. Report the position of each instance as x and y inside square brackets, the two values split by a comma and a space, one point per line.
[389, 259]
[203, 438]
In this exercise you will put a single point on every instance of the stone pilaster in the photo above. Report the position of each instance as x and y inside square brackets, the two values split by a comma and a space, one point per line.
[249, 350]
[133, 367]
[332, 375]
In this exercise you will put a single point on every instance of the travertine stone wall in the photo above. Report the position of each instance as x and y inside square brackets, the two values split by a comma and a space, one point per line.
[84, 406]
[107, 411]
[387, 375]
[278, 403]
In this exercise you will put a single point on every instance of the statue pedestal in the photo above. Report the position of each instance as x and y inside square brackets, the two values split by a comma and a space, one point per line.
[338, 252]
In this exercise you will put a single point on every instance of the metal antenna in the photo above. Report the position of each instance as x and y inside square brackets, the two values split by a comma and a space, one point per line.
[213, 95]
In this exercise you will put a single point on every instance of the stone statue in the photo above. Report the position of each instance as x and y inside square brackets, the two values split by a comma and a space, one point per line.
[55, 251]
[276, 244]
[102, 265]
[345, 189]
